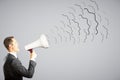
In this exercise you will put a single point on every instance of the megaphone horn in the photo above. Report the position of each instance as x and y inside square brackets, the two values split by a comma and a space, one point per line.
[42, 42]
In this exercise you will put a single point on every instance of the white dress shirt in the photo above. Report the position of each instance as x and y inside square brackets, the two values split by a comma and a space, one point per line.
[14, 54]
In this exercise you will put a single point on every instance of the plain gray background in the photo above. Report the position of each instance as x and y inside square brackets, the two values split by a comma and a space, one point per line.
[92, 60]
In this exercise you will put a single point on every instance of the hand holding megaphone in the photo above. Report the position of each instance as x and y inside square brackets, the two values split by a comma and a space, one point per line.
[33, 55]
[42, 42]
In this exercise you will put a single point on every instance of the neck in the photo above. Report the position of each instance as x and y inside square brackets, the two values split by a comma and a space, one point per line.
[12, 51]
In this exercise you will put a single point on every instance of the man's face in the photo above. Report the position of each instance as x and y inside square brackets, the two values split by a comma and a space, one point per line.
[14, 45]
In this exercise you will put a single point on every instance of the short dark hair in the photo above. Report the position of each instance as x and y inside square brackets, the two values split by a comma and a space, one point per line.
[8, 41]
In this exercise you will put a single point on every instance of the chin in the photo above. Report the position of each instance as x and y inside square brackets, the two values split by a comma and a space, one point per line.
[17, 50]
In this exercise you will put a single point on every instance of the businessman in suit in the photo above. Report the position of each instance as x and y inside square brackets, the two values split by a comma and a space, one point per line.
[13, 69]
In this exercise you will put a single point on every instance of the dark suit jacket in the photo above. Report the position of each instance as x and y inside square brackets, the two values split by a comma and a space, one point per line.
[14, 70]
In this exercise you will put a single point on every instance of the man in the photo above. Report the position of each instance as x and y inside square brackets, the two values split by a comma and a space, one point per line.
[13, 69]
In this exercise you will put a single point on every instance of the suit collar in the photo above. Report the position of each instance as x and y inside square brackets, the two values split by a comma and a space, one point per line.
[14, 54]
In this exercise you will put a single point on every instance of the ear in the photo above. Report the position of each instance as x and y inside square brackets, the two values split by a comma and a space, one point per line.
[10, 46]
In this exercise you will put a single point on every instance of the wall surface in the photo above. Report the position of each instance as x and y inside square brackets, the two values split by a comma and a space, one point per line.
[83, 35]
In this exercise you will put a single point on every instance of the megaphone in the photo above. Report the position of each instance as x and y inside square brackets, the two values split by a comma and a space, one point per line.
[42, 42]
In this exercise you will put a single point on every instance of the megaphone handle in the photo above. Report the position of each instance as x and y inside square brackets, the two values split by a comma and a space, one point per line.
[30, 50]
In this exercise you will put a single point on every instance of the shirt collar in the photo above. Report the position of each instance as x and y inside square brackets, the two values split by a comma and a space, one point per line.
[14, 54]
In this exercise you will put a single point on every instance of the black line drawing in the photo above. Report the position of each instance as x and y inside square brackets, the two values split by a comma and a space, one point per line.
[92, 8]
[106, 31]
[87, 23]
[94, 18]
[95, 4]
[67, 18]
[72, 15]
[80, 8]
[85, 35]
[92, 37]
[102, 37]
[72, 9]
[72, 27]
[77, 26]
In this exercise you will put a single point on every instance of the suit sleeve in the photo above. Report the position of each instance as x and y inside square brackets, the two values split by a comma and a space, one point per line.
[21, 70]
